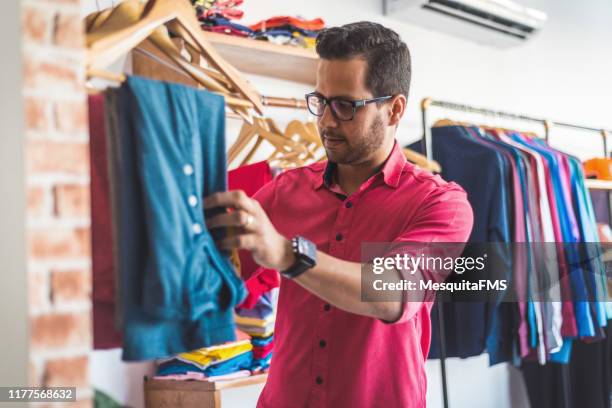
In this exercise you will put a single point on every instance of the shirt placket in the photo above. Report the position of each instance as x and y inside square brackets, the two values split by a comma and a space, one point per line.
[340, 233]
[191, 192]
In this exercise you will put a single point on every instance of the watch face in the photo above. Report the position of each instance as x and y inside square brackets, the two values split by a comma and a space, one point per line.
[307, 250]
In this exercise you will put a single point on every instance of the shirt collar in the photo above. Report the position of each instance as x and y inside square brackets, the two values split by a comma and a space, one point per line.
[391, 170]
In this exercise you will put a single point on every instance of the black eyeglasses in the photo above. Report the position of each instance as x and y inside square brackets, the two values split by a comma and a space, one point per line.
[341, 109]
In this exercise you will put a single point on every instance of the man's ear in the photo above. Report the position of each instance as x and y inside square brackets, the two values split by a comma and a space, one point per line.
[397, 107]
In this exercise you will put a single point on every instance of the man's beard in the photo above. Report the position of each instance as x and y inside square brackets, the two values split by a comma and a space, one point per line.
[361, 149]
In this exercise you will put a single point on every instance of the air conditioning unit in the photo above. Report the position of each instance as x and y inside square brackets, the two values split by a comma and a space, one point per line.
[499, 23]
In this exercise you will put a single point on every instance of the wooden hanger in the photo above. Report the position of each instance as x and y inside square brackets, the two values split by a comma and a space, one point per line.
[262, 129]
[118, 35]
[128, 13]
[295, 127]
[246, 134]
[422, 161]
[449, 122]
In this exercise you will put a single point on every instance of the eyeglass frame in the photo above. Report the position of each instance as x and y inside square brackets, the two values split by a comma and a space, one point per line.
[358, 103]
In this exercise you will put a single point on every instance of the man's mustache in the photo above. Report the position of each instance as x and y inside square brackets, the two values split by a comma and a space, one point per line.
[331, 135]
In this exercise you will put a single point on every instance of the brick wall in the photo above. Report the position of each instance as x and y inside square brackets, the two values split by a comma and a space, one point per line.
[58, 221]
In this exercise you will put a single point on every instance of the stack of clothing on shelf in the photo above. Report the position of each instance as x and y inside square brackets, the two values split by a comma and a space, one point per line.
[598, 168]
[218, 16]
[258, 322]
[226, 361]
[289, 30]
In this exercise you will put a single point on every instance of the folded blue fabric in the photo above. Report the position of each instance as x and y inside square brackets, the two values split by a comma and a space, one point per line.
[240, 362]
[260, 342]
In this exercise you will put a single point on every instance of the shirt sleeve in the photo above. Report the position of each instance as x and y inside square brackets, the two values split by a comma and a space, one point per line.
[445, 217]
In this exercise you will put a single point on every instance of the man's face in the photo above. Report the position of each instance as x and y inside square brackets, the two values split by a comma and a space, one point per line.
[353, 141]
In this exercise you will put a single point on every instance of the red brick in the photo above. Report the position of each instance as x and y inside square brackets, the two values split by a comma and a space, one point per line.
[35, 23]
[71, 116]
[67, 372]
[45, 156]
[70, 286]
[38, 290]
[68, 30]
[37, 201]
[71, 200]
[59, 75]
[36, 114]
[64, 330]
[59, 242]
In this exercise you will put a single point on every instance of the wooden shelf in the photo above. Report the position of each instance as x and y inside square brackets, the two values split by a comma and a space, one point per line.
[175, 385]
[594, 184]
[263, 58]
[192, 394]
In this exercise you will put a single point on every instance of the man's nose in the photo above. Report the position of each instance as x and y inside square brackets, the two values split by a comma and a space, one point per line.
[327, 120]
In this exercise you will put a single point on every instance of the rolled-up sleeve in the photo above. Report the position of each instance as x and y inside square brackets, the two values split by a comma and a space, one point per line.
[445, 217]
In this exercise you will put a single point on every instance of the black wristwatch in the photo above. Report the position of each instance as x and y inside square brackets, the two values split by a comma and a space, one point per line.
[305, 252]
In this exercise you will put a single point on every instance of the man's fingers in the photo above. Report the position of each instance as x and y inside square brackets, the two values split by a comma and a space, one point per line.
[234, 199]
[232, 219]
[241, 241]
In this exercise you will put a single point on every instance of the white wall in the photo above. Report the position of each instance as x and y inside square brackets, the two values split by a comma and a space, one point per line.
[13, 290]
[562, 74]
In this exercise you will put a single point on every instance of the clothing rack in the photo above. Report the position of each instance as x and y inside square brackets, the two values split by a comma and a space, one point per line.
[428, 103]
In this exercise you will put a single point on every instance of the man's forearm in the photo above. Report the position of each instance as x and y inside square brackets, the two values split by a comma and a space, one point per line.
[339, 283]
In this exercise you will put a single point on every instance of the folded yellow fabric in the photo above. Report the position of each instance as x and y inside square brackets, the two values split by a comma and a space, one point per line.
[253, 321]
[205, 358]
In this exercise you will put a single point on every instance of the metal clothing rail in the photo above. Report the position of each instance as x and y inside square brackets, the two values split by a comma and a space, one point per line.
[547, 124]
[426, 104]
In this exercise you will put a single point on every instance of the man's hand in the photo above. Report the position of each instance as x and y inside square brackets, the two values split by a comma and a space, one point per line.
[253, 229]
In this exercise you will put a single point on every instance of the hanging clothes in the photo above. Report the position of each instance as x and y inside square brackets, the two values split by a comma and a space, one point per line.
[177, 290]
[526, 193]
[105, 334]
[589, 370]
[481, 173]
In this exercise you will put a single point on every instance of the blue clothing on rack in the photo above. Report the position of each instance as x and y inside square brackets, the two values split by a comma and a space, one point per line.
[479, 173]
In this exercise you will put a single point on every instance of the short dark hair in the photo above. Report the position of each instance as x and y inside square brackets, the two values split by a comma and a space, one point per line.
[388, 58]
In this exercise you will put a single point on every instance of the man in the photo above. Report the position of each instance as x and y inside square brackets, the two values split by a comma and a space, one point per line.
[332, 349]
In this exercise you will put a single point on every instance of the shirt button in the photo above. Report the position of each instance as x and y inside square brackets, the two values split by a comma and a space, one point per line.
[327, 307]
[196, 228]
[348, 204]
[188, 169]
[322, 344]
[339, 237]
[192, 200]
[319, 380]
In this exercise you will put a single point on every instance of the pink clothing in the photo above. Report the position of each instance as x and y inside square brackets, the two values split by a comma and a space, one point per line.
[324, 356]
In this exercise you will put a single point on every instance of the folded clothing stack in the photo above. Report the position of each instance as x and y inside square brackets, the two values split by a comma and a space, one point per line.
[225, 361]
[216, 16]
[288, 30]
[258, 322]
[262, 353]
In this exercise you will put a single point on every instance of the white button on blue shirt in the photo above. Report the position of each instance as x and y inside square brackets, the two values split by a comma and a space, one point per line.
[188, 169]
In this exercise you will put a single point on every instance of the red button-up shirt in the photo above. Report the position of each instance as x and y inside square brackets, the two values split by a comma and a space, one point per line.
[324, 356]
